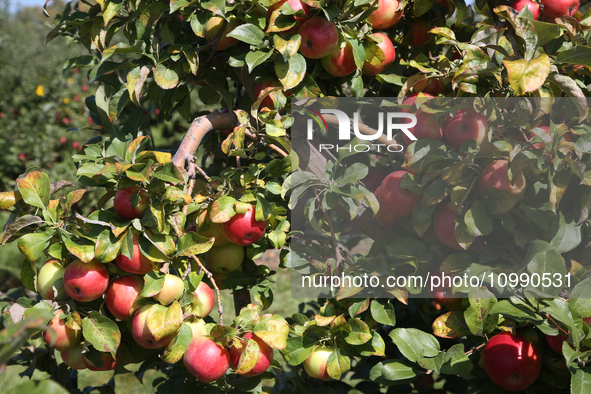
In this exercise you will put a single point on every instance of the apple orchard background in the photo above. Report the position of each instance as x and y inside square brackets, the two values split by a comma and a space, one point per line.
[106, 103]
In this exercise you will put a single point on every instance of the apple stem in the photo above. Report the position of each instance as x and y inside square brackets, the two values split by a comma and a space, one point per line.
[465, 197]
[215, 286]
[253, 137]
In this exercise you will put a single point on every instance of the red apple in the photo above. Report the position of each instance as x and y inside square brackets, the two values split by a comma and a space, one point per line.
[387, 14]
[385, 216]
[125, 209]
[373, 65]
[419, 32]
[225, 259]
[319, 37]
[86, 281]
[213, 26]
[427, 127]
[59, 336]
[445, 226]
[340, 62]
[587, 320]
[411, 99]
[218, 360]
[315, 364]
[203, 301]
[258, 92]
[172, 289]
[430, 86]
[556, 342]
[265, 357]
[511, 361]
[532, 6]
[496, 175]
[374, 178]
[140, 331]
[73, 357]
[466, 125]
[139, 264]
[553, 9]
[123, 296]
[109, 363]
[243, 229]
[50, 281]
[399, 201]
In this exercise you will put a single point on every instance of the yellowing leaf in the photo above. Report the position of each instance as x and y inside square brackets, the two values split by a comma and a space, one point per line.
[527, 76]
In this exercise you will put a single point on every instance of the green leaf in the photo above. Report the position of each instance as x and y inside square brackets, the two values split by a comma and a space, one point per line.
[476, 316]
[337, 364]
[46, 386]
[456, 361]
[566, 236]
[383, 313]
[163, 321]
[290, 72]
[256, 58]
[298, 349]
[543, 260]
[527, 76]
[101, 332]
[222, 210]
[353, 174]
[81, 248]
[415, 344]
[389, 371]
[579, 55]
[32, 245]
[478, 220]
[581, 381]
[153, 282]
[178, 345]
[28, 276]
[359, 333]
[166, 78]
[248, 33]
[35, 189]
[107, 247]
[579, 298]
[513, 310]
[191, 244]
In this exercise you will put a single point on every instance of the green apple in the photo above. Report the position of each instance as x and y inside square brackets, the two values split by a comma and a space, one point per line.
[224, 259]
[172, 289]
[50, 281]
[217, 231]
[315, 364]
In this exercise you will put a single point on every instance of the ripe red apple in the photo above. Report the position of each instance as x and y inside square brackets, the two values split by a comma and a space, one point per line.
[225, 259]
[296, 5]
[340, 62]
[587, 320]
[315, 364]
[203, 301]
[431, 86]
[496, 175]
[86, 281]
[213, 26]
[427, 127]
[511, 361]
[445, 226]
[59, 336]
[172, 289]
[243, 229]
[139, 264]
[385, 44]
[532, 6]
[412, 99]
[125, 209]
[218, 360]
[319, 37]
[109, 363]
[265, 357]
[216, 231]
[140, 331]
[50, 281]
[419, 32]
[123, 296]
[466, 125]
[399, 201]
[385, 216]
[556, 342]
[73, 357]
[374, 178]
[387, 14]
[553, 9]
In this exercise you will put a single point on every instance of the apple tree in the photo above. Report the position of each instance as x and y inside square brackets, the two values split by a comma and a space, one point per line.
[493, 185]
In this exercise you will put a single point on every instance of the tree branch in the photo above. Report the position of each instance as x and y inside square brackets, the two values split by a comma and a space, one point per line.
[215, 286]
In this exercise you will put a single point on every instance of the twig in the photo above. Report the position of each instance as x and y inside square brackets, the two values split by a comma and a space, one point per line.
[215, 286]
[191, 173]
[338, 256]
[556, 324]
[253, 137]
[202, 172]
[187, 271]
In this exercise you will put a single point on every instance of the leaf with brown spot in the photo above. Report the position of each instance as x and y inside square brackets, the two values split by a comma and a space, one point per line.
[450, 325]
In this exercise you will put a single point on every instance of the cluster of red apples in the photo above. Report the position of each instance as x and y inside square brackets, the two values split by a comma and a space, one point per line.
[86, 282]
[551, 9]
